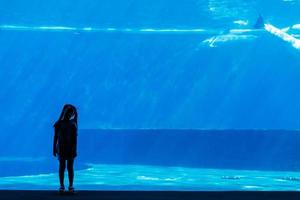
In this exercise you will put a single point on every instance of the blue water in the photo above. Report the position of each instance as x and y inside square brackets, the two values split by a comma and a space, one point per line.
[171, 95]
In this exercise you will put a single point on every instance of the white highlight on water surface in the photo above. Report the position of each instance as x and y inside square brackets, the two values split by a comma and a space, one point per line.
[241, 22]
[243, 31]
[232, 35]
[219, 35]
[296, 26]
[56, 28]
[212, 42]
[283, 35]
[95, 29]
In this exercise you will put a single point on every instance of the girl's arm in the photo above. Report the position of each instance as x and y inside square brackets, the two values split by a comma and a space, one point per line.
[55, 141]
[75, 141]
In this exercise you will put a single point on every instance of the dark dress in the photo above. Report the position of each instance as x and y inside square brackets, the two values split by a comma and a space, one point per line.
[65, 139]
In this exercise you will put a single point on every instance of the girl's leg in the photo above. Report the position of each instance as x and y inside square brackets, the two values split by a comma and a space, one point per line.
[62, 167]
[70, 166]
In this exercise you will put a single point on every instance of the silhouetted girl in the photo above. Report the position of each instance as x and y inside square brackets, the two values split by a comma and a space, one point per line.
[65, 143]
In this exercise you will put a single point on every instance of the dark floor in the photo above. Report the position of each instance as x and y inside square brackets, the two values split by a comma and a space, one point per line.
[130, 195]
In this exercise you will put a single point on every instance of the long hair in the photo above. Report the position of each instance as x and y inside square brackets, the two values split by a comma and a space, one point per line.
[63, 112]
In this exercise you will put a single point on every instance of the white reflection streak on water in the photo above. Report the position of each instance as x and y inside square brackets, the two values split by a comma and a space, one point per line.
[93, 29]
[219, 35]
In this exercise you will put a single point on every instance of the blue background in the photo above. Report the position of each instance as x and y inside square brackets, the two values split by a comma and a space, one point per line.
[145, 81]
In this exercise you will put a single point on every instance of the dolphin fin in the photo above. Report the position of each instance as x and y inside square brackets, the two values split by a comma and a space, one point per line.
[260, 23]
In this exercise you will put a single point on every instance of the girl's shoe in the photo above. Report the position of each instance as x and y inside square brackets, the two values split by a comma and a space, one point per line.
[61, 189]
[71, 189]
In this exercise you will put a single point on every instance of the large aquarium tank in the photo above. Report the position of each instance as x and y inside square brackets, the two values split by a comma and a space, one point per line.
[199, 95]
